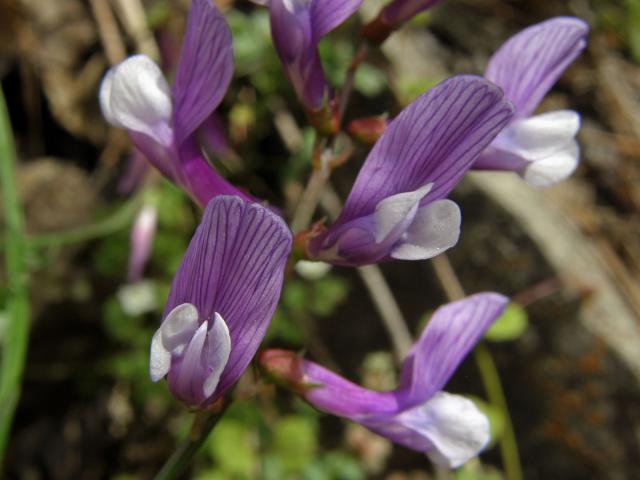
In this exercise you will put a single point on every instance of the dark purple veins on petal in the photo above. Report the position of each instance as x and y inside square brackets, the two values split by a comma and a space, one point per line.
[435, 139]
[204, 70]
[234, 266]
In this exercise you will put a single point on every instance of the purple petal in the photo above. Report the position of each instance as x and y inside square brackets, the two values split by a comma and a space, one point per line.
[328, 14]
[448, 428]
[451, 333]
[234, 267]
[434, 140]
[136, 166]
[204, 70]
[400, 11]
[212, 133]
[296, 45]
[334, 394]
[141, 241]
[161, 157]
[530, 62]
[199, 178]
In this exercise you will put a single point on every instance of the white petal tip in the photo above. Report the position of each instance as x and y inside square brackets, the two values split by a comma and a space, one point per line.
[460, 430]
[396, 209]
[159, 358]
[554, 168]
[436, 228]
[218, 349]
[135, 95]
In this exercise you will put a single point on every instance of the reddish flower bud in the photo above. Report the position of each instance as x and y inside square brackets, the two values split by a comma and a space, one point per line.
[367, 130]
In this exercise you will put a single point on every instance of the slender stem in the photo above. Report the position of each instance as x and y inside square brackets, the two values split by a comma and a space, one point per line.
[108, 31]
[203, 424]
[313, 191]
[387, 308]
[379, 290]
[14, 343]
[347, 88]
[488, 372]
[447, 277]
[493, 387]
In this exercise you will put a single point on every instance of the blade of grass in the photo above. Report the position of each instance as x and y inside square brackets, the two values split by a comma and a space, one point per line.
[14, 342]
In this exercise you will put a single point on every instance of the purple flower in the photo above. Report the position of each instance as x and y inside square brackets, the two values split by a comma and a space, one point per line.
[297, 26]
[163, 122]
[141, 241]
[541, 148]
[397, 206]
[221, 300]
[393, 16]
[418, 414]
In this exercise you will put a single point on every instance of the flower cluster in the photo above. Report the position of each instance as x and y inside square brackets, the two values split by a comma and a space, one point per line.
[228, 284]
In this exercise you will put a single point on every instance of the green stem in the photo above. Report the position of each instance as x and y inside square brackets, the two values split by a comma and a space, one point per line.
[493, 387]
[488, 372]
[120, 219]
[203, 424]
[14, 341]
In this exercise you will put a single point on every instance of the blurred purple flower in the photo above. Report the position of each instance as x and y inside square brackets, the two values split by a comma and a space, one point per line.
[141, 241]
[541, 148]
[297, 26]
[418, 414]
[221, 300]
[396, 208]
[393, 16]
[161, 122]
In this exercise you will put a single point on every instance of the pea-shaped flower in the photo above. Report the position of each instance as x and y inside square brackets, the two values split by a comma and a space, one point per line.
[163, 122]
[297, 26]
[221, 300]
[541, 148]
[418, 414]
[397, 207]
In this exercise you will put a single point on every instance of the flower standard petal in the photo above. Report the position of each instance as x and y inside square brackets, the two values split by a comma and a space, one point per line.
[530, 62]
[204, 69]
[451, 333]
[234, 267]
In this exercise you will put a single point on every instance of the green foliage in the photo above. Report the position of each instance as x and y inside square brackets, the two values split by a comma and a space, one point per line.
[474, 470]
[409, 88]
[369, 80]
[110, 255]
[300, 301]
[510, 325]
[295, 442]
[336, 55]
[251, 43]
[232, 449]
[633, 28]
